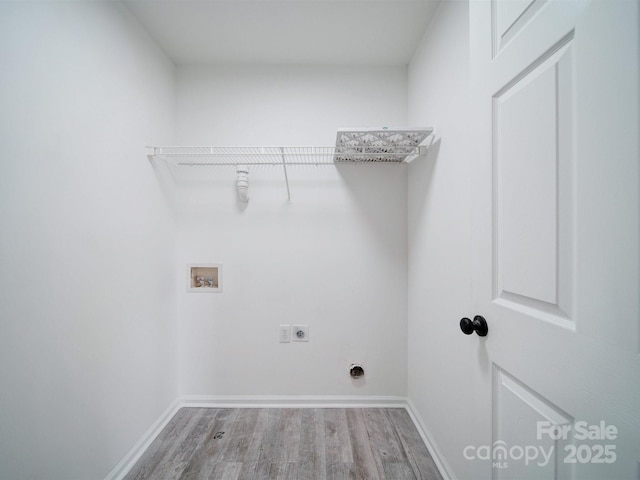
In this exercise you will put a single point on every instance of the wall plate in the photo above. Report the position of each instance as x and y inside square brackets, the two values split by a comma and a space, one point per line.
[300, 333]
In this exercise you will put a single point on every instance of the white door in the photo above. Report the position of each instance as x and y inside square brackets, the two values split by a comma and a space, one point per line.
[556, 238]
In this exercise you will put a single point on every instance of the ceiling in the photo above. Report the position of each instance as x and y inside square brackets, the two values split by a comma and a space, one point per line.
[294, 32]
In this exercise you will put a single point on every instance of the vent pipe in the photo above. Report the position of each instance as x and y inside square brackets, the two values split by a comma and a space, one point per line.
[242, 182]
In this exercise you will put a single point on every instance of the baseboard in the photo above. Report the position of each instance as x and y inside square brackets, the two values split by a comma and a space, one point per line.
[294, 401]
[129, 460]
[432, 446]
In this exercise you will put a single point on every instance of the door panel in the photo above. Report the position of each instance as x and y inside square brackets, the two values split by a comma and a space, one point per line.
[556, 235]
[519, 453]
[533, 178]
[509, 18]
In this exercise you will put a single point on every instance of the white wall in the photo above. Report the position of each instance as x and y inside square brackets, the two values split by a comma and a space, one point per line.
[334, 258]
[87, 249]
[439, 383]
[285, 105]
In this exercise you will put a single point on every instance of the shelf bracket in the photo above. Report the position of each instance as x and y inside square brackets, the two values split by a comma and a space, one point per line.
[286, 178]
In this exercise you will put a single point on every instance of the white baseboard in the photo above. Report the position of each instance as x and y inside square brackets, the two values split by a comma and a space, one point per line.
[129, 460]
[293, 401]
[280, 401]
[432, 446]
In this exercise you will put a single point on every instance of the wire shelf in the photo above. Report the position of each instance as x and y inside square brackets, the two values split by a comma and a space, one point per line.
[353, 146]
[203, 156]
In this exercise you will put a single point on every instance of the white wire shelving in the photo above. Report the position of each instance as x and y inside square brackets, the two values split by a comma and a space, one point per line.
[357, 146]
[209, 156]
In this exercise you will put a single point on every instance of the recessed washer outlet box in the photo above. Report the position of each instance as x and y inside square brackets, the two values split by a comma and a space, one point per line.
[204, 277]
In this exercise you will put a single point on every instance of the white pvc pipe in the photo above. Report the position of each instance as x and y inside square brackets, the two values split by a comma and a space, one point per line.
[242, 182]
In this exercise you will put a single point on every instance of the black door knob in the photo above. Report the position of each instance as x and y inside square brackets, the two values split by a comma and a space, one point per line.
[478, 325]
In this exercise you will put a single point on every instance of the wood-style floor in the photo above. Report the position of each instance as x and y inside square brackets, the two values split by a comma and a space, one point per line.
[287, 443]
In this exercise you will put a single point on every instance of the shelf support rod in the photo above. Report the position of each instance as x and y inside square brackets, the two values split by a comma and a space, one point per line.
[286, 177]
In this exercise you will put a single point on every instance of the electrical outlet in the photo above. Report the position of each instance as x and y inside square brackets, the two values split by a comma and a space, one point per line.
[285, 333]
[300, 333]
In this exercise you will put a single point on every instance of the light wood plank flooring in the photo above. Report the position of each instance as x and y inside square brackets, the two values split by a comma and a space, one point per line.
[287, 443]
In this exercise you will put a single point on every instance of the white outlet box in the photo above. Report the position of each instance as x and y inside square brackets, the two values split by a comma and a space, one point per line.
[285, 333]
[300, 333]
